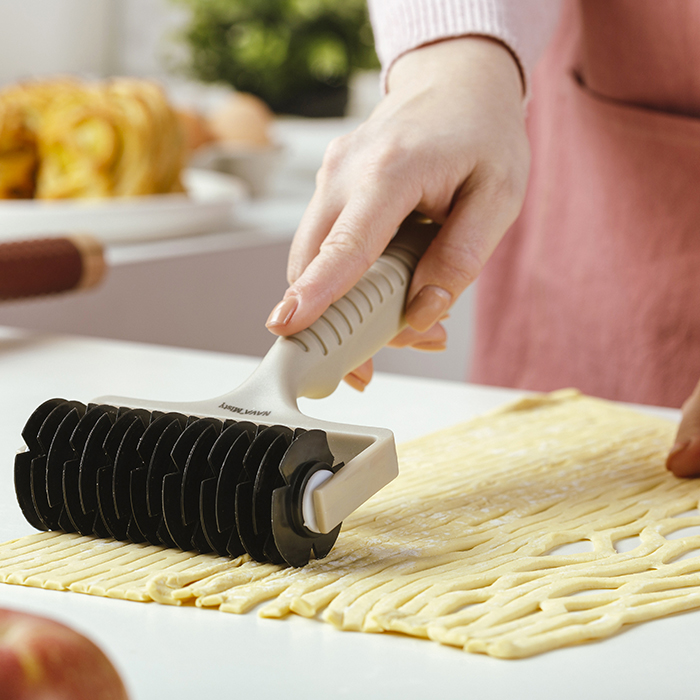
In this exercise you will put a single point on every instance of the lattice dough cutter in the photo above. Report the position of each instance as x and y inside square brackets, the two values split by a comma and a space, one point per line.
[244, 472]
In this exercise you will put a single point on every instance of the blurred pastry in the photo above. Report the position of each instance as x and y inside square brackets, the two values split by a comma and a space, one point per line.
[109, 139]
[152, 143]
[18, 154]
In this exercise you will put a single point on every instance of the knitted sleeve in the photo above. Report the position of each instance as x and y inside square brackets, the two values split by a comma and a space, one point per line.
[523, 26]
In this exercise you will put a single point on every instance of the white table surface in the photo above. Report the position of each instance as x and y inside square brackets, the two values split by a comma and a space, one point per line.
[179, 653]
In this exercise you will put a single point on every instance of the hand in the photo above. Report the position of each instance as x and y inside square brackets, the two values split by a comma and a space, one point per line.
[684, 458]
[449, 141]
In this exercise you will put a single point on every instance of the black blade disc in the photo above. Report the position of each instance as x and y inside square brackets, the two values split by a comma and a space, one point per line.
[108, 514]
[60, 452]
[146, 526]
[120, 449]
[189, 452]
[267, 480]
[30, 432]
[126, 461]
[159, 466]
[160, 463]
[82, 520]
[232, 431]
[49, 512]
[215, 539]
[230, 473]
[308, 454]
[23, 462]
[23, 490]
[92, 460]
[197, 469]
[253, 542]
[146, 520]
[49, 516]
[180, 533]
[225, 461]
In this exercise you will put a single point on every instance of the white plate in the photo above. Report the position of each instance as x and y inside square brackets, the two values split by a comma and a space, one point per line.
[206, 208]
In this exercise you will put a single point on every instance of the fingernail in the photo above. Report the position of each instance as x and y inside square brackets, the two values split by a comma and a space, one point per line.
[430, 347]
[676, 450]
[427, 307]
[282, 314]
[355, 382]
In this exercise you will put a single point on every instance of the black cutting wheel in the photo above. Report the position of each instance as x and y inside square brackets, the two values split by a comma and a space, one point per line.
[168, 479]
[306, 455]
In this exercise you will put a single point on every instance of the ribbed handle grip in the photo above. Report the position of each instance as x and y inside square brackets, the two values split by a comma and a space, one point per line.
[359, 324]
[46, 266]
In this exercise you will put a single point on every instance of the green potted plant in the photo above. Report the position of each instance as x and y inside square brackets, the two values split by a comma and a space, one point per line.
[297, 55]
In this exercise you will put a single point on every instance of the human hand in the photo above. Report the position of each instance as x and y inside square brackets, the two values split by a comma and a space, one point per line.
[684, 458]
[449, 141]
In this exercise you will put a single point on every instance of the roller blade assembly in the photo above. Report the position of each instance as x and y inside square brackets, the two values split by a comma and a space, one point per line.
[168, 479]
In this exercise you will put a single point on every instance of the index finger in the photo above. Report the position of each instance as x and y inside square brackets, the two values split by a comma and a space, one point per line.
[357, 238]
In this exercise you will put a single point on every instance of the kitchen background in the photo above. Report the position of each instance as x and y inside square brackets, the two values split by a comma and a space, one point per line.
[211, 291]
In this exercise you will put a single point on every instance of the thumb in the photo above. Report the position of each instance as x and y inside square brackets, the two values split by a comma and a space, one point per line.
[684, 458]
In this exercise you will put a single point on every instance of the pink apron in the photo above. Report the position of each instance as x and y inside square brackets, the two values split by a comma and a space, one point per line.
[597, 284]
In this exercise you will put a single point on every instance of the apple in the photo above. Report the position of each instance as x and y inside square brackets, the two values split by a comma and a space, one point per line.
[41, 659]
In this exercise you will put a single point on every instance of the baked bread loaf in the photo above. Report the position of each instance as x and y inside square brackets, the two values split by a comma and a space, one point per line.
[18, 154]
[67, 138]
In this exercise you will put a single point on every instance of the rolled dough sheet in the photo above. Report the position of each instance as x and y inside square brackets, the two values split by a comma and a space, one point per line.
[547, 523]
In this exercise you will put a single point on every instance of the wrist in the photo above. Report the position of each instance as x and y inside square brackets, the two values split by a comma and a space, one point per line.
[456, 61]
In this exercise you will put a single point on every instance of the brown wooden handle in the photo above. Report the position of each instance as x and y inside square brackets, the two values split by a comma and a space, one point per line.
[49, 265]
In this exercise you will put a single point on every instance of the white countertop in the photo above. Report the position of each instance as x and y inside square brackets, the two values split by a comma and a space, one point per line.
[182, 653]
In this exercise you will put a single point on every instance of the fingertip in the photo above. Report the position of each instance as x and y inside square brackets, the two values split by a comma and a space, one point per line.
[365, 371]
[674, 455]
[355, 382]
[430, 346]
[684, 458]
[361, 376]
[427, 307]
[281, 316]
[433, 339]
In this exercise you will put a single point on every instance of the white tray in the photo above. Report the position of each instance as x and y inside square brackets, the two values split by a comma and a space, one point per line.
[207, 207]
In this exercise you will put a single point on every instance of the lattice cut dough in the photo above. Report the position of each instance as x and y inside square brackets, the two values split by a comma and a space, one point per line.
[547, 523]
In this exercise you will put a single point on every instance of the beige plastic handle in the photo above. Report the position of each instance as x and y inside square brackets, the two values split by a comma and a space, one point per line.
[359, 324]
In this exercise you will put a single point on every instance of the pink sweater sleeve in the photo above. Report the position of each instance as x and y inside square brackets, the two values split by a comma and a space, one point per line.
[524, 26]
